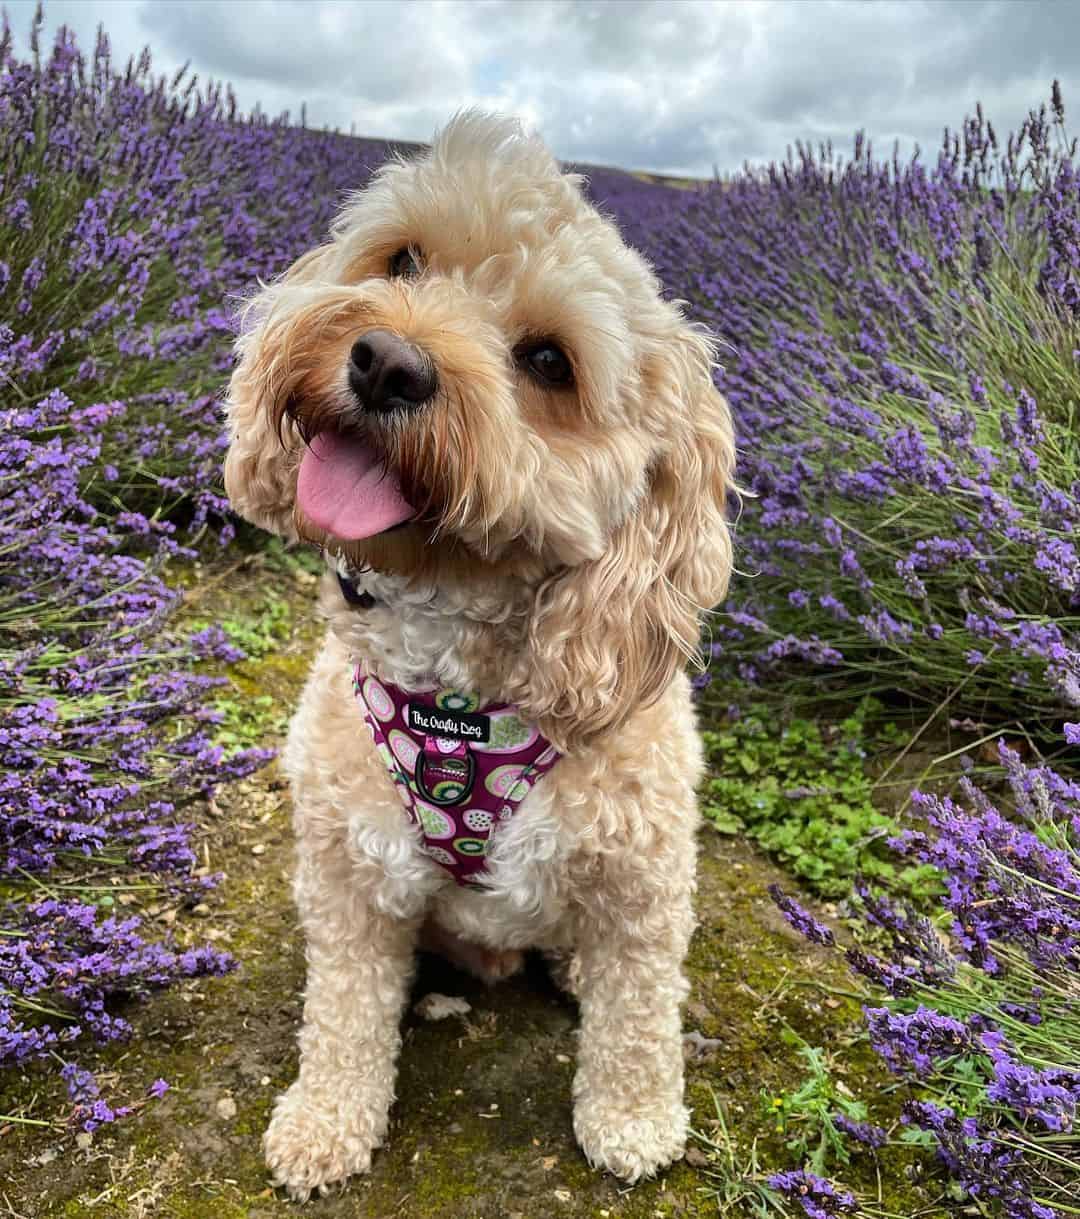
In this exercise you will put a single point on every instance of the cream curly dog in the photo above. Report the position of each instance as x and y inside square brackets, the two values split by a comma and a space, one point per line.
[512, 453]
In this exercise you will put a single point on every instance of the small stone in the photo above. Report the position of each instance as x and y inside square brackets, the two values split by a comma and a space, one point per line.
[265, 1080]
[259, 848]
[696, 1158]
[695, 1045]
[202, 910]
[549, 1162]
[226, 1108]
[437, 1007]
[564, 1195]
[563, 1058]
[84, 1140]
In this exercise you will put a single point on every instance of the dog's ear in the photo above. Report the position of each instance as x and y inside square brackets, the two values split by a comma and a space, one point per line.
[608, 636]
[262, 459]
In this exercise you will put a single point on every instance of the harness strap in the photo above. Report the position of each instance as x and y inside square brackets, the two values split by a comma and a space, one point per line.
[460, 769]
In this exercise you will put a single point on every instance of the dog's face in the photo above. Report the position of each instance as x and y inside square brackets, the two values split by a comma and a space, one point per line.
[476, 379]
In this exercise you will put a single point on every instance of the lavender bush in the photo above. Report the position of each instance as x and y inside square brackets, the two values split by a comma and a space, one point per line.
[977, 1010]
[131, 210]
[104, 738]
[903, 363]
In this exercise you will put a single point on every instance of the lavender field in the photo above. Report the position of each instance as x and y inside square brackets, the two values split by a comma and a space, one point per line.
[892, 704]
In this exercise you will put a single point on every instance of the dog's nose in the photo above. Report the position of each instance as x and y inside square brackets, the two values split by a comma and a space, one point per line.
[386, 373]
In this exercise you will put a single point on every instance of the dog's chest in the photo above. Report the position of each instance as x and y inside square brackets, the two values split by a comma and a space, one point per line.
[521, 896]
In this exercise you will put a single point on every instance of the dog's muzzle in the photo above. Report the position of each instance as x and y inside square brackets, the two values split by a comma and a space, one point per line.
[386, 373]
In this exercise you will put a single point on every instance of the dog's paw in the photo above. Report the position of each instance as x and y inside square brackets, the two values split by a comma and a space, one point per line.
[631, 1147]
[310, 1146]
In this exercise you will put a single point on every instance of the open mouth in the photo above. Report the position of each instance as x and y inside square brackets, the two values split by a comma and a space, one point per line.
[346, 488]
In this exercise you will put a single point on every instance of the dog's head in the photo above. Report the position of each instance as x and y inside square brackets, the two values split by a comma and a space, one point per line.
[476, 380]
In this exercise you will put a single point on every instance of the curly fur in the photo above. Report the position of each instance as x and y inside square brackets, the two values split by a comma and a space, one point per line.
[567, 543]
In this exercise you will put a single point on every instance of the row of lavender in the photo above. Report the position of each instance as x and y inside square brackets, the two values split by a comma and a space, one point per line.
[104, 737]
[901, 349]
[903, 362]
[975, 1010]
[130, 210]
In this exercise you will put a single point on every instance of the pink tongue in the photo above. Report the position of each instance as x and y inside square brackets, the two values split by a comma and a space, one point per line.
[345, 488]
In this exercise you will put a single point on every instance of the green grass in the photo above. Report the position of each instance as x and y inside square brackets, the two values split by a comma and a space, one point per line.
[804, 794]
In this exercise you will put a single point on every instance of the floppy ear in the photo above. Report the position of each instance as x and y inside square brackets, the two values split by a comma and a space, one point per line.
[261, 461]
[608, 636]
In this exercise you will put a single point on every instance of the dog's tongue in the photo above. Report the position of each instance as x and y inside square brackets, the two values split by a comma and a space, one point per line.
[345, 487]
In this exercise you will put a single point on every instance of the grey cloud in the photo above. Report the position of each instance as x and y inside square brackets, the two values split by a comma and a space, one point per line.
[346, 52]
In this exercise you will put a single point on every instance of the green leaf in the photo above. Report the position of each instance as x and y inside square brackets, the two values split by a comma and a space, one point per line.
[724, 823]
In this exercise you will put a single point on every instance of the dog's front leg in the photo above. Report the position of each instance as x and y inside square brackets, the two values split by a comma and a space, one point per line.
[636, 921]
[360, 962]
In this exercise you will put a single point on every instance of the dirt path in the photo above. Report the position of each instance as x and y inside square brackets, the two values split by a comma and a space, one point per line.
[482, 1126]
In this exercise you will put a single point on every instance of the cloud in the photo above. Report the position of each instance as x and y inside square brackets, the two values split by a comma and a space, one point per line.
[675, 87]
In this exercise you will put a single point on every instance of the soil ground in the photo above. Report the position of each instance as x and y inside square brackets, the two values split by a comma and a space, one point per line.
[482, 1125]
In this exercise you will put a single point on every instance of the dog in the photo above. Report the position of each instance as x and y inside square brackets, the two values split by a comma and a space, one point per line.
[474, 398]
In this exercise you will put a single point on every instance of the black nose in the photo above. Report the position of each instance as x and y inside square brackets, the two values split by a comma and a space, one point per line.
[386, 373]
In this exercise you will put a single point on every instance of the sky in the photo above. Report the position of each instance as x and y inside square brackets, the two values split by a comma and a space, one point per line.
[672, 86]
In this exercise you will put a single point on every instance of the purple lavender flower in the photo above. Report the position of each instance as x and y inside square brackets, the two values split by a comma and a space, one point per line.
[1049, 1097]
[915, 1042]
[983, 1167]
[803, 922]
[818, 1198]
[866, 1133]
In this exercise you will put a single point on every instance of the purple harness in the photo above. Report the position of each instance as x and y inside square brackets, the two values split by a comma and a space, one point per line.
[459, 768]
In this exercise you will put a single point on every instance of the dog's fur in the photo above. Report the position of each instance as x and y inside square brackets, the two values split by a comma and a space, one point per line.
[568, 542]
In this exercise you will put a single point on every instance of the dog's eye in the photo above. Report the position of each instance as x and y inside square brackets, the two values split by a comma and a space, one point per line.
[548, 363]
[403, 264]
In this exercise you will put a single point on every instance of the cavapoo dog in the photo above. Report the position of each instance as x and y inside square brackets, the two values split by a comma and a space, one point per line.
[511, 450]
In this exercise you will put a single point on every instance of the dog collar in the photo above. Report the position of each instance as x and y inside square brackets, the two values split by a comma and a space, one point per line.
[354, 595]
[461, 769]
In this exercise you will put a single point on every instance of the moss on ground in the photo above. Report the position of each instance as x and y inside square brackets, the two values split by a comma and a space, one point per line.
[482, 1126]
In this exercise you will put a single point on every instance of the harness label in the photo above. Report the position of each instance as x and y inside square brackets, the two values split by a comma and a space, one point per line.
[454, 725]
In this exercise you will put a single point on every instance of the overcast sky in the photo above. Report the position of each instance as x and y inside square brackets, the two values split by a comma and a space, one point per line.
[674, 85]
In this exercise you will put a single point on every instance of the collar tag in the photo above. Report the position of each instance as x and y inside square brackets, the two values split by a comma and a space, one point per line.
[445, 778]
[454, 725]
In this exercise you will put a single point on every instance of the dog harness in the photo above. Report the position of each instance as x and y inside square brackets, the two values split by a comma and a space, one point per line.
[461, 769]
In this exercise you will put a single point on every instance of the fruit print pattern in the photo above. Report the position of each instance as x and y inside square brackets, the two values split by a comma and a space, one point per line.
[505, 768]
